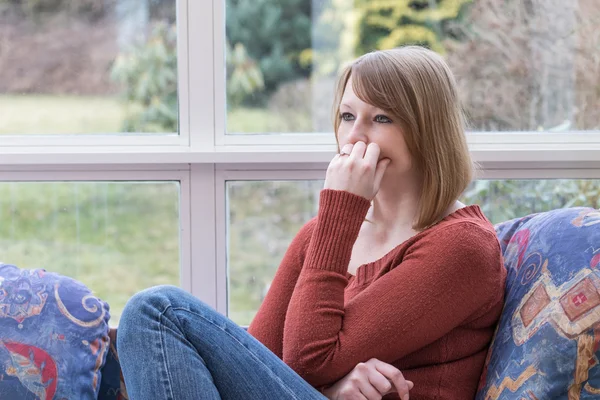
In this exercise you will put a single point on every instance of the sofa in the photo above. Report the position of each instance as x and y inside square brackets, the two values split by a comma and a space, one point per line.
[546, 345]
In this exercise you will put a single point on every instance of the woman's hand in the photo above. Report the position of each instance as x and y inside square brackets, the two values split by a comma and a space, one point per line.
[370, 381]
[357, 169]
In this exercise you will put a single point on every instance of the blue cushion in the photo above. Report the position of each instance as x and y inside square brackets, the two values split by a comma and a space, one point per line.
[546, 343]
[53, 336]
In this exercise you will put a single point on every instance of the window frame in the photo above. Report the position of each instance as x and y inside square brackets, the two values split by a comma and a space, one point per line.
[49, 143]
[203, 157]
[299, 172]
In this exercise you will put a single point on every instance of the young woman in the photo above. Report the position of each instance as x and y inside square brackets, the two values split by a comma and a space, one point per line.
[393, 290]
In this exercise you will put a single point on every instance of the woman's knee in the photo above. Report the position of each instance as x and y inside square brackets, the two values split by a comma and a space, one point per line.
[149, 302]
[144, 308]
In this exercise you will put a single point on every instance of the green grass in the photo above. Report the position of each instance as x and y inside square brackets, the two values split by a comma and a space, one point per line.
[254, 120]
[116, 238]
[258, 120]
[49, 114]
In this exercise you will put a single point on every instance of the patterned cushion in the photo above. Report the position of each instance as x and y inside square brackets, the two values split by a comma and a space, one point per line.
[547, 342]
[53, 336]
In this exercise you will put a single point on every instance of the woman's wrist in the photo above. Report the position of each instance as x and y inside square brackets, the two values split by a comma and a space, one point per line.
[326, 391]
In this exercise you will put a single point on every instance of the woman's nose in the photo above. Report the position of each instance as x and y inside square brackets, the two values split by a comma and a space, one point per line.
[357, 134]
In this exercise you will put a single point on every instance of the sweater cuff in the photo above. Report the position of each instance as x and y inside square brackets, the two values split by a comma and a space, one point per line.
[340, 217]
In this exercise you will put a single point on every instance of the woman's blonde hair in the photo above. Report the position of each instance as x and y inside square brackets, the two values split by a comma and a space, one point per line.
[415, 86]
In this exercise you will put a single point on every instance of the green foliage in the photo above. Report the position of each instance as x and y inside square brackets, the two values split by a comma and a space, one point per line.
[148, 73]
[335, 38]
[385, 24]
[502, 200]
[274, 32]
[243, 75]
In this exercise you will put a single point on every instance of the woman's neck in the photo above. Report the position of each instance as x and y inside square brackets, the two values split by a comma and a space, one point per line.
[395, 208]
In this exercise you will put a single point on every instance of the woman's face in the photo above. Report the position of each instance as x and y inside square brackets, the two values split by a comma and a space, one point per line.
[360, 121]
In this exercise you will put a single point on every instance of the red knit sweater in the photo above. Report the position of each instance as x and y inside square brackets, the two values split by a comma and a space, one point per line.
[429, 306]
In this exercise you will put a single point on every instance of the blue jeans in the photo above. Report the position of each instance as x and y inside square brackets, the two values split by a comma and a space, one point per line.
[174, 347]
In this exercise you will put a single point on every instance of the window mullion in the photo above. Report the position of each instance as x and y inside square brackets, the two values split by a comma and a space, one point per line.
[201, 84]
[203, 238]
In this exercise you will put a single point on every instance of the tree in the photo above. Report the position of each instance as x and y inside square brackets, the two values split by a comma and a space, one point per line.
[243, 75]
[502, 200]
[529, 65]
[385, 24]
[274, 32]
[148, 73]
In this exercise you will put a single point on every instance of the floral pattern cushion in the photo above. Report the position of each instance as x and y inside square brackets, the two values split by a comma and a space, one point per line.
[53, 336]
[547, 342]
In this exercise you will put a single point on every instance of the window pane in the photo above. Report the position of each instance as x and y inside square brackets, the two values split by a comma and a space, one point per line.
[88, 67]
[116, 237]
[264, 216]
[521, 65]
[502, 200]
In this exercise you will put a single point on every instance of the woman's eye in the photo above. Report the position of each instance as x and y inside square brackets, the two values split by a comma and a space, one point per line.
[382, 119]
[347, 116]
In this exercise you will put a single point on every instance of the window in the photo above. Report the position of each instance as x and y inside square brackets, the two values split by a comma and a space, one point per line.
[86, 67]
[521, 66]
[231, 135]
[264, 216]
[117, 237]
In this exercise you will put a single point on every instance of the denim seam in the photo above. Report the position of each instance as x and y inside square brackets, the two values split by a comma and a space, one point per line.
[164, 355]
[271, 372]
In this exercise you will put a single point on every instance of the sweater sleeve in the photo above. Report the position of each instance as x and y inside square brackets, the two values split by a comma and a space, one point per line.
[443, 280]
[267, 325]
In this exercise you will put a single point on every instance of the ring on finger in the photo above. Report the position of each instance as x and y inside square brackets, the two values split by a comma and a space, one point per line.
[343, 153]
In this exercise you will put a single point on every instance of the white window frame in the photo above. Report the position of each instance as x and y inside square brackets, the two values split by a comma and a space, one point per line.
[203, 157]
